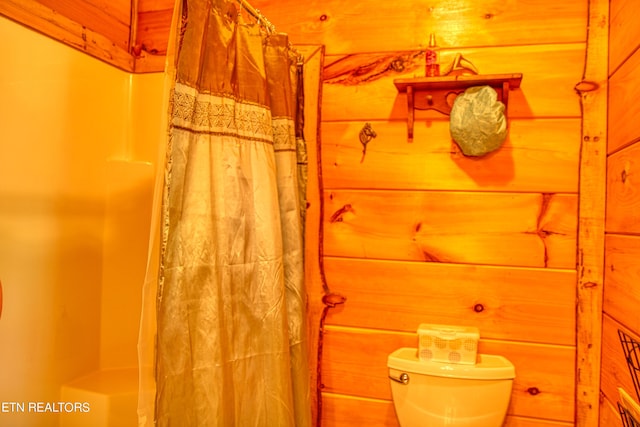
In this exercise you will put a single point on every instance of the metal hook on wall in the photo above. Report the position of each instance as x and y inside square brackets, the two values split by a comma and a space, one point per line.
[366, 134]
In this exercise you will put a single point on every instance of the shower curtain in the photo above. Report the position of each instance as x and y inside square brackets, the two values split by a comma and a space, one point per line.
[230, 342]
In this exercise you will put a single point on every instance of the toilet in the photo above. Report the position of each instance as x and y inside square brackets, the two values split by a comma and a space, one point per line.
[436, 394]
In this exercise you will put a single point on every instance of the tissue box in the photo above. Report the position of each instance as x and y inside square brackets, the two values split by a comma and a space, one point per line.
[448, 344]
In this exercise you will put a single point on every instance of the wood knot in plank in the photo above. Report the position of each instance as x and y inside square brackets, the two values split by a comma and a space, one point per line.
[337, 215]
[137, 50]
[332, 299]
[360, 68]
[397, 65]
[533, 391]
[540, 231]
[624, 175]
[586, 86]
[478, 308]
[429, 257]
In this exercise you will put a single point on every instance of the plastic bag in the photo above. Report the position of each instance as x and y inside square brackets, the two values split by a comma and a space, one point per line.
[477, 122]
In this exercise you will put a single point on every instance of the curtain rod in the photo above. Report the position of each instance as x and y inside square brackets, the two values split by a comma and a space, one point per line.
[257, 15]
[271, 29]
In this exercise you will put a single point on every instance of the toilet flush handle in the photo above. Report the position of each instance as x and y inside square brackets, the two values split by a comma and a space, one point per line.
[402, 379]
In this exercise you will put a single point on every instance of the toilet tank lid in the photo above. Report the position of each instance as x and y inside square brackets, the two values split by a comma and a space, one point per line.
[489, 367]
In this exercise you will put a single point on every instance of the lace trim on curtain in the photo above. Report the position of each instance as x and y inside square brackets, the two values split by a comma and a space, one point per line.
[204, 113]
[284, 134]
[218, 115]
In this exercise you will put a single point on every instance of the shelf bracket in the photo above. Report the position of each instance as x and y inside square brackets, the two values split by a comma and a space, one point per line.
[438, 93]
[410, 111]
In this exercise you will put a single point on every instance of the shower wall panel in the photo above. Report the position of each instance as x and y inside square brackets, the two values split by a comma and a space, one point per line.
[62, 115]
[79, 143]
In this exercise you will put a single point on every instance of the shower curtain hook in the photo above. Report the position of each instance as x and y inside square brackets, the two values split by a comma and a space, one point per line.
[268, 27]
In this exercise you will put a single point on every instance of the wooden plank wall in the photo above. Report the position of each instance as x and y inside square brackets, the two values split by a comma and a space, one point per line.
[130, 35]
[100, 28]
[622, 226]
[151, 34]
[417, 232]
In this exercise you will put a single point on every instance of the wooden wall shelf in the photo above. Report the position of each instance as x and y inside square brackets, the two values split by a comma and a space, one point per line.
[438, 93]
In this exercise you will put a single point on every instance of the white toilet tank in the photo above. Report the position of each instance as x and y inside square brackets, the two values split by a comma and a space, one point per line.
[435, 394]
